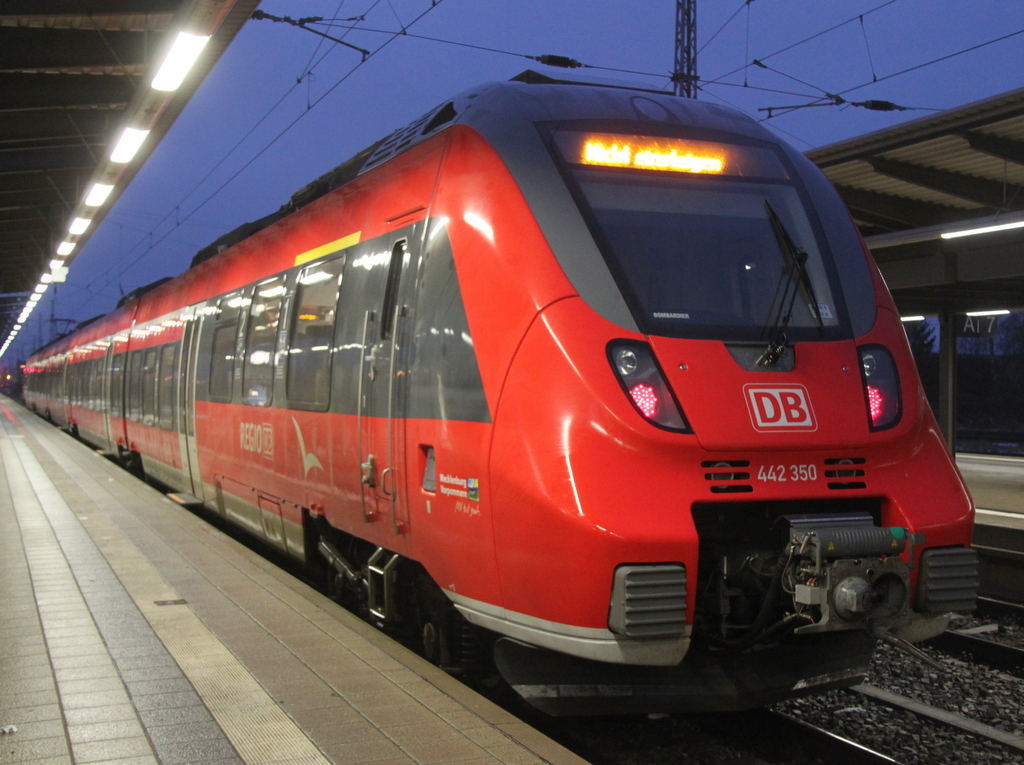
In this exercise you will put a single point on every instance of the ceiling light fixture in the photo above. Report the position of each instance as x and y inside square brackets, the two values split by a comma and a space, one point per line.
[1001, 312]
[98, 194]
[79, 225]
[183, 55]
[128, 145]
[983, 230]
[65, 248]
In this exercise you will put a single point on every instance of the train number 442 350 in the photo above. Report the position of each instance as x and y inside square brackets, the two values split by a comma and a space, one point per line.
[783, 473]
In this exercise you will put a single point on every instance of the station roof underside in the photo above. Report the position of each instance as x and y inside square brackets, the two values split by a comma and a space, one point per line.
[906, 185]
[73, 75]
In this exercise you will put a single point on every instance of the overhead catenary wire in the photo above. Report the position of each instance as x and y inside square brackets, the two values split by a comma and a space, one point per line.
[824, 100]
[178, 219]
[867, 47]
[434, 4]
[805, 40]
[728, 21]
[557, 60]
[829, 99]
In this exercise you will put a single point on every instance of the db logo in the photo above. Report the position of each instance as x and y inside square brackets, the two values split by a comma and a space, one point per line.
[780, 408]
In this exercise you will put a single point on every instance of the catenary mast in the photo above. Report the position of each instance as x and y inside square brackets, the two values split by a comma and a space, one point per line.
[685, 75]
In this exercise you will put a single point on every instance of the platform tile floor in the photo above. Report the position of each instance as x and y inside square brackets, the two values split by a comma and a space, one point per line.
[132, 632]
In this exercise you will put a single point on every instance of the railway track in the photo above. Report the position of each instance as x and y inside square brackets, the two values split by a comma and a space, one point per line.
[941, 716]
[756, 737]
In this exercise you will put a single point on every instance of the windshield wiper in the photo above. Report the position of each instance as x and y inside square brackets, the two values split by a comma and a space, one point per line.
[793, 280]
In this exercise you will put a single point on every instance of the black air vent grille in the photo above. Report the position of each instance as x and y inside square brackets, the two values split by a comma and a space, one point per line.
[649, 601]
[845, 469]
[948, 580]
[727, 470]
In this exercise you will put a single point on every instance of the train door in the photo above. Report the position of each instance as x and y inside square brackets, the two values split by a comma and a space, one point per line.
[105, 399]
[186, 402]
[381, 411]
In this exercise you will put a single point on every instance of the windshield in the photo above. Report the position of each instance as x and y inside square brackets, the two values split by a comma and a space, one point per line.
[694, 250]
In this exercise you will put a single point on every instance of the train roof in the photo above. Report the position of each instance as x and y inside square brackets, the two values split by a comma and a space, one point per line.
[495, 109]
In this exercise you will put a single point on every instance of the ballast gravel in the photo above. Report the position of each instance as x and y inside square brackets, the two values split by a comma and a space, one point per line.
[985, 695]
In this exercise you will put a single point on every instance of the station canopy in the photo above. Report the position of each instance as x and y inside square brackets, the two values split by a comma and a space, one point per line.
[73, 76]
[960, 170]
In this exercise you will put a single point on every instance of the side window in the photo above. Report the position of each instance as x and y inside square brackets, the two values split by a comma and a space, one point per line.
[222, 363]
[387, 318]
[149, 387]
[165, 395]
[312, 332]
[88, 370]
[135, 386]
[116, 381]
[261, 342]
[96, 385]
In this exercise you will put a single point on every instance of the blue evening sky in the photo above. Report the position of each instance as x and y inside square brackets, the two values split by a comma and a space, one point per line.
[176, 205]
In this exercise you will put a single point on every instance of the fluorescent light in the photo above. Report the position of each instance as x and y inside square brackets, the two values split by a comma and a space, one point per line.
[1002, 312]
[79, 225]
[41, 288]
[98, 194]
[55, 264]
[183, 55]
[911, 318]
[130, 142]
[983, 230]
[65, 248]
[45, 278]
[17, 327]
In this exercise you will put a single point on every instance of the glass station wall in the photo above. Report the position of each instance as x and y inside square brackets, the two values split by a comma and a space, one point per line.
[990, 374]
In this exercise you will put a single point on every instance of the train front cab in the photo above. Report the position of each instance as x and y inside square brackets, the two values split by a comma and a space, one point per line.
[751, 477]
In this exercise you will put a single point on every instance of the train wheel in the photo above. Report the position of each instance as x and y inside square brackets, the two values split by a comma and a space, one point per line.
[132, 462]
[446, 638]
[317, 569]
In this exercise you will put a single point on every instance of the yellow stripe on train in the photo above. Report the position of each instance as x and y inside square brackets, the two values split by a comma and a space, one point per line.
[327, 249]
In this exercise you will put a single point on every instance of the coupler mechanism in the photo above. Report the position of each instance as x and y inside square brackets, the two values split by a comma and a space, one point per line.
[846, 574]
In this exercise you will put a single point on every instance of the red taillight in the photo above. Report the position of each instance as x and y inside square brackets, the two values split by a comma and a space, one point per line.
[638, 373]
[876, 404]
[645, 398]
[881, 386]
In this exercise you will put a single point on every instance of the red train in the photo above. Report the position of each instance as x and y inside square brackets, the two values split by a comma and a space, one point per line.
[601, 380]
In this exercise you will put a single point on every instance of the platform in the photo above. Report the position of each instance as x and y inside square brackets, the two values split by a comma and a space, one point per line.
[997, 486]
[133, 632]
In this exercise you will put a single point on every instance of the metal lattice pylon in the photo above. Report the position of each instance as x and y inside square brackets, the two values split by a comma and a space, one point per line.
[685, 75]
